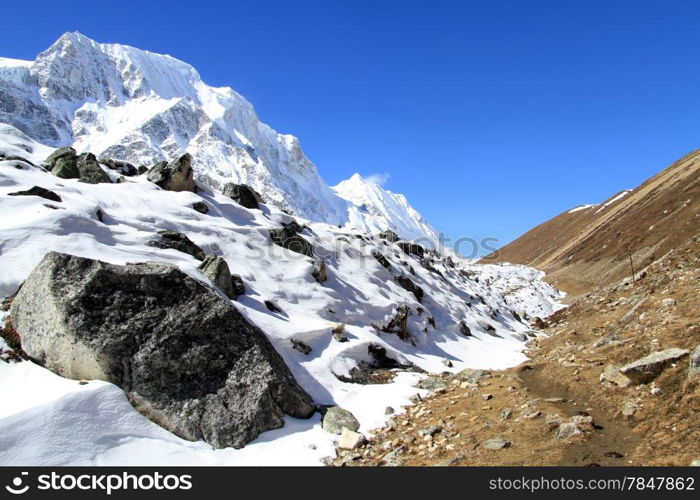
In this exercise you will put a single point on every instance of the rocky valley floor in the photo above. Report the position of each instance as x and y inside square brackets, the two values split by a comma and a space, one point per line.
[571, 403]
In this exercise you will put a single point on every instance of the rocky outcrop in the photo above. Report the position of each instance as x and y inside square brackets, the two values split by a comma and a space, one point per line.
[216, 269]
[66, 167]
[381, 259]
[287, 237]
[411, 248]
[186, 358]
[89, 170]
[646, 369]
[241, 194]
[38, 191]
[174, 176]
[407, 284]
[389, 235]
[65, 152]
[178, 241]
[119, 166]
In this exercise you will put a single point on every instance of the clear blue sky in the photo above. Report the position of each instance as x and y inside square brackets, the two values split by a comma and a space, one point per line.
[491, 116]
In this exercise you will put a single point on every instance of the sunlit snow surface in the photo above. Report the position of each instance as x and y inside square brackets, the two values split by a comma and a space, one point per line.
[48, 420]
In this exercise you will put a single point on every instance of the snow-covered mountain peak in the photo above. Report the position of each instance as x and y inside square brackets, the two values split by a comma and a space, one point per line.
[130, 104]
[374, 208]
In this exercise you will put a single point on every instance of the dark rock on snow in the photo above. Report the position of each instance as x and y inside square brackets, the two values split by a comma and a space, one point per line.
[174, 176]
[186, 358]
[287, 237]
[201, 207]
[38, 191]
[119, 166]
[407, 284]
[242, 194]
[178, 241]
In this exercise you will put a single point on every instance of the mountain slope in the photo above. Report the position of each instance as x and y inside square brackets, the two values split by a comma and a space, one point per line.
[465, 316]
[133, 105]
[590, 245]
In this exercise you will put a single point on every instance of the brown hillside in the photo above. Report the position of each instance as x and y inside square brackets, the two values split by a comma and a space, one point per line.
[588, 248]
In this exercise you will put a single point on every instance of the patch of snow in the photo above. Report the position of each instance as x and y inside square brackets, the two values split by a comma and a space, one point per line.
[581, 207]
[613, 200]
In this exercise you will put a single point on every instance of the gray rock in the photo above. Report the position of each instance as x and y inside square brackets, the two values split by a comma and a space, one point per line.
[216, 269]
[65, 152]
[399, 323]
[301, 346]
[381, 259]
[38, 191]
[497, 443]
[464, 329]
[337, 418]
[629, 409]
[66, 167]
[506, 413]
[287, 237]
[632, 313]
[242, 194]
[178, 241]
[389, 236]
[694, 368]
[174, 176]
[431, 384]
[447, 363]
[520, 336]
[407, 284]
[473, 376]
[186, 358]
[201, 207]
[411, 248]
[238, 286]
[646, 369]
[320, 272]
[120, 166]
[612, 375]
[389, 411]
[669, 303]
[568, 430]
[90, 171]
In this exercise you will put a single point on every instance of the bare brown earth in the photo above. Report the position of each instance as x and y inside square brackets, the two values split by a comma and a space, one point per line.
[590, 247]
[562, 384]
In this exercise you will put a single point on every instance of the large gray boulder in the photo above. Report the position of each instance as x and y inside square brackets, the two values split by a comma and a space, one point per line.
[649, 367]
[174, 176]
[186, 358]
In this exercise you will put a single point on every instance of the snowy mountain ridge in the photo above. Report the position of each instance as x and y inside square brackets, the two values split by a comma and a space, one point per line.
[134, 105]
